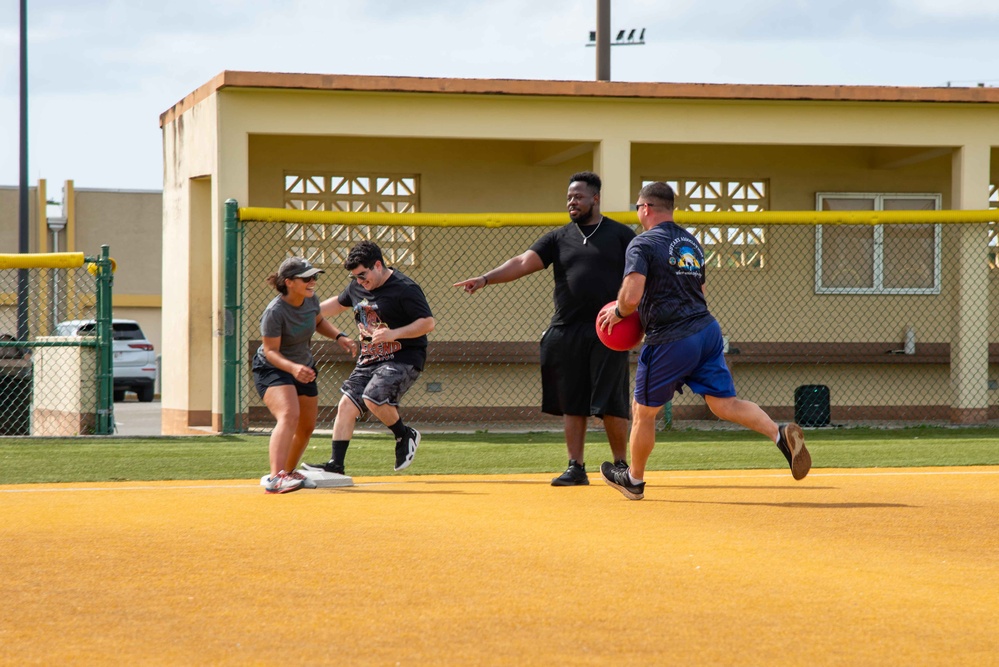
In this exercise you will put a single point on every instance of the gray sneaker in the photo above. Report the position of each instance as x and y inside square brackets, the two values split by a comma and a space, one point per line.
[619, 479]
[306, 482]
[791, 443]
[282, 483]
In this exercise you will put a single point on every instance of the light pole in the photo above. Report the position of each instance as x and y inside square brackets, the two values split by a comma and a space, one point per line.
[22, 242]
[55, 225]
[601, 39]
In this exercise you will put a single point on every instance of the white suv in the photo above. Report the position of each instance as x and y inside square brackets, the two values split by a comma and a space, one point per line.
[134, 357]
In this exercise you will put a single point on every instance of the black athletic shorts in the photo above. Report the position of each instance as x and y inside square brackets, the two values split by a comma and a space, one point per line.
[581, 376]
[265, 375]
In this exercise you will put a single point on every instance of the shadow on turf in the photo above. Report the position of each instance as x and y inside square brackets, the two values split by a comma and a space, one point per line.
[825, 506]
[743, 486]
[360, 488]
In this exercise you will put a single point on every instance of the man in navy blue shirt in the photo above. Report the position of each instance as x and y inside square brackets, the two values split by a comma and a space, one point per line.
[664, 281]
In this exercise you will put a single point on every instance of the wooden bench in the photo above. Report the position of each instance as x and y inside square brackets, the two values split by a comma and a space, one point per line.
[528, 352]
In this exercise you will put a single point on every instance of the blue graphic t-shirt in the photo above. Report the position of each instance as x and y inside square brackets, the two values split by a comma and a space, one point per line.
[672, 261]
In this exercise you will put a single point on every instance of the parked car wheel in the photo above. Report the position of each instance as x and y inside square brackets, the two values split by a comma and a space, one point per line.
[145, 394]
[119, 395]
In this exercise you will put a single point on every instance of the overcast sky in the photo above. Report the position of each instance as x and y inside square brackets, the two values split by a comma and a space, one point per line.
[102, 71]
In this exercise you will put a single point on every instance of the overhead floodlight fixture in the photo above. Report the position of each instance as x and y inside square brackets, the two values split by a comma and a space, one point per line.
[624, 37]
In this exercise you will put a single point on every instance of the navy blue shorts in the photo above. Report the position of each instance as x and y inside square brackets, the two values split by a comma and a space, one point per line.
[696, 361]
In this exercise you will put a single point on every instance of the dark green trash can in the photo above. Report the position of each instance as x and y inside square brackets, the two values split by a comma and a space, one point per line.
[15, 397]
[811, 405]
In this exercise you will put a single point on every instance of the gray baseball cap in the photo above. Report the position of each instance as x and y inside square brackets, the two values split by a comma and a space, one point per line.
[297, 267]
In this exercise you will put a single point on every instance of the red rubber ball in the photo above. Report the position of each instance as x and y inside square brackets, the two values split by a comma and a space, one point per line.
[626, 334]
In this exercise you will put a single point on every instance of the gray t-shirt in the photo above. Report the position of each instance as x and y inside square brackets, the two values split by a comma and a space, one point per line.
[295, 327]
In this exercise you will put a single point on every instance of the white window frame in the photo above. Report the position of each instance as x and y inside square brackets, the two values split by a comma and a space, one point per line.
[878, 287]
[993, 241]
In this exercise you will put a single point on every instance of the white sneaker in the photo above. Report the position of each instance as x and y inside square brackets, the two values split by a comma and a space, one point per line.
[307, 483]
[282, 483]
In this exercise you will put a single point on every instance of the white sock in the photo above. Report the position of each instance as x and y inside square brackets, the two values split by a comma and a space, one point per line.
[632, 479]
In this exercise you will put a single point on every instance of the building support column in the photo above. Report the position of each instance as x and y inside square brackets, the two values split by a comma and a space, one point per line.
[969, 356]
[612, 161]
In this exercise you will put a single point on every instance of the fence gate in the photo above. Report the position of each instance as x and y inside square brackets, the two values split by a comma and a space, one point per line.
[52, 384]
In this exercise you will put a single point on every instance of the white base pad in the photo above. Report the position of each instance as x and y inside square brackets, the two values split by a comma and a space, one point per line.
[327, 480]
[320, 480]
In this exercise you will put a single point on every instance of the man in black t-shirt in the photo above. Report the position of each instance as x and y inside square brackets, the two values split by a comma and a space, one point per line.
[394, 318]
[580, 377]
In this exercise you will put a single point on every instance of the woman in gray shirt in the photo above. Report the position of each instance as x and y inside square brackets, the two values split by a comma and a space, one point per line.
[284, 370]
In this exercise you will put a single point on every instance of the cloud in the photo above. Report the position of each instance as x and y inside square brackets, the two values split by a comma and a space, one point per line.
[101, 71]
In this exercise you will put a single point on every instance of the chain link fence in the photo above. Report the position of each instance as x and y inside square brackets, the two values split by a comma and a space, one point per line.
[53, 384]
[825, 324]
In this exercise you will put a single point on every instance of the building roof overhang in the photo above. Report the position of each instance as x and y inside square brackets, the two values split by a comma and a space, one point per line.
[580, 89]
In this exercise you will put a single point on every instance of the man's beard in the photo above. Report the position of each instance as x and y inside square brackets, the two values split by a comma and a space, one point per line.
[583, 218]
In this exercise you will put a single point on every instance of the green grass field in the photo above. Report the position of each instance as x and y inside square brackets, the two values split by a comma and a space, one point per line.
[36, 460]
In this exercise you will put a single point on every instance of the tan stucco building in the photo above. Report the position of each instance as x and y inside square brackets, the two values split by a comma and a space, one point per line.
[507, 146]
[128, 221]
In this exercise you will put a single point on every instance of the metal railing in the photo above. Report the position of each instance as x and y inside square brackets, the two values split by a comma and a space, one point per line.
[52, 383]
[829, 317]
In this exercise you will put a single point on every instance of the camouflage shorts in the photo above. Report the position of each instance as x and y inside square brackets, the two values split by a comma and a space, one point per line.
[381, 383]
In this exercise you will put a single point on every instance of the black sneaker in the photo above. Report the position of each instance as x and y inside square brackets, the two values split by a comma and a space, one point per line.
[574, 475]
[619, 479]
[329, 466]
[621, 464]
[405, 450]
[791, 443]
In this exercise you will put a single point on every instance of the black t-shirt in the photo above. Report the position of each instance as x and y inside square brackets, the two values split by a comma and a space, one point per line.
[587, 275]
[398, 302]
[672, 261]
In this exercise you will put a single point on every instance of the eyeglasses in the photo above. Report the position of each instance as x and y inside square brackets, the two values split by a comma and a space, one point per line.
[310, 279]
[360, 277]
[647, 206]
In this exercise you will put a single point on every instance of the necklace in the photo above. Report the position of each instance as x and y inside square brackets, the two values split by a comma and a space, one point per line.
[586, 237]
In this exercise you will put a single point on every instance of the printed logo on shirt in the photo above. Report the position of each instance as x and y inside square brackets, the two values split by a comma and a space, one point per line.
[685, 257]
[366, 315]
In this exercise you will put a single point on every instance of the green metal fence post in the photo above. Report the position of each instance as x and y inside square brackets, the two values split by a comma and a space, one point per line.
[668, 417]
[230, 353]
[105, 356]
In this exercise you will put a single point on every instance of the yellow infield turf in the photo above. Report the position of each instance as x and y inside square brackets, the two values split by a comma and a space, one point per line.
[848, 567]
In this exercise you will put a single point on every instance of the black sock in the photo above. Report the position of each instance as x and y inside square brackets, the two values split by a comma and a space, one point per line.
[400, 430]
[340, 451]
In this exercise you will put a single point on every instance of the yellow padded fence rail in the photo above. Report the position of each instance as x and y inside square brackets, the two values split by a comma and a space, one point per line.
[49, 260]
[282, 215]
